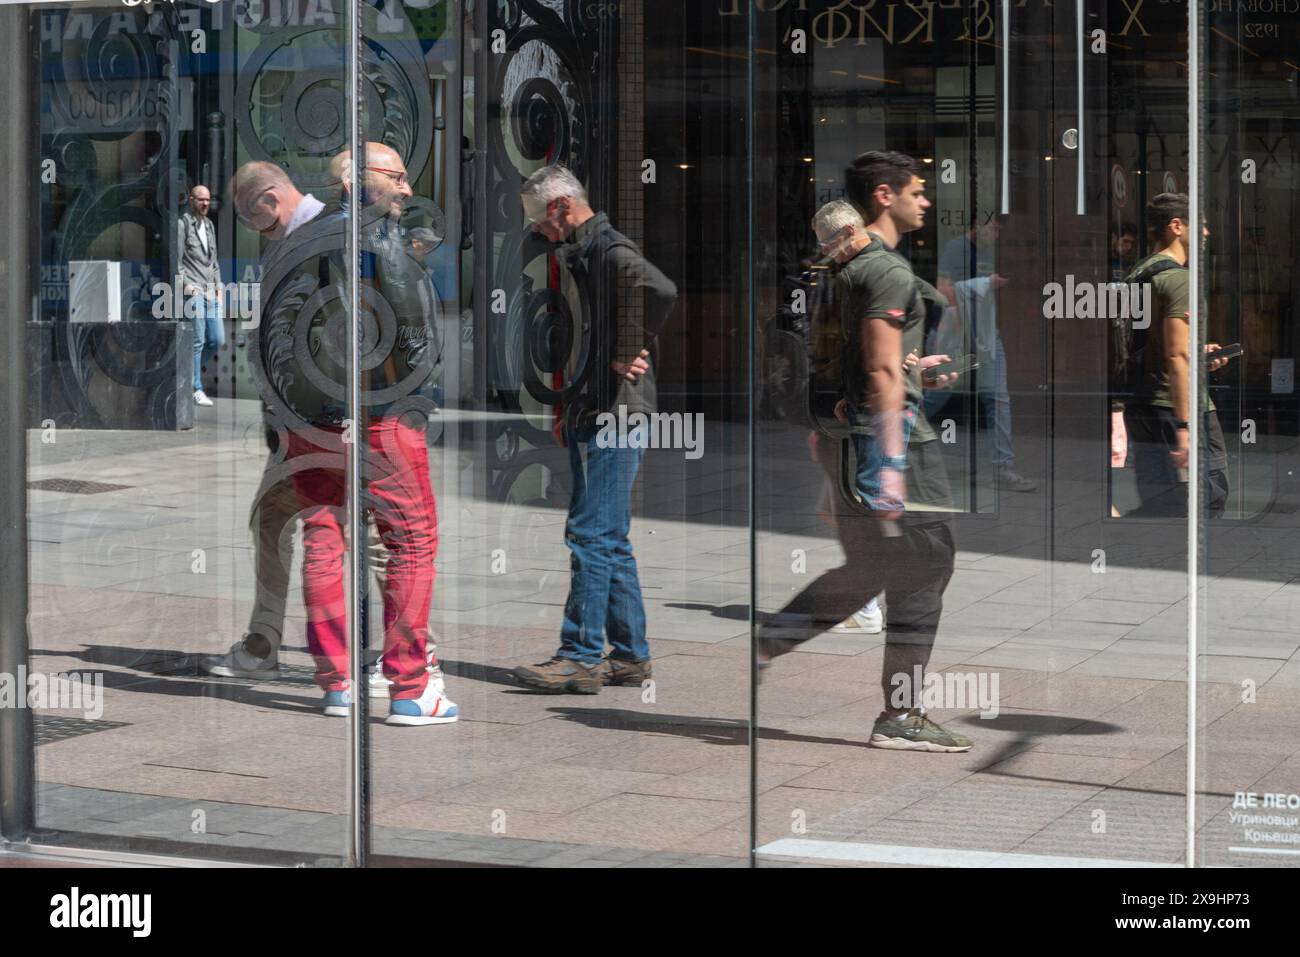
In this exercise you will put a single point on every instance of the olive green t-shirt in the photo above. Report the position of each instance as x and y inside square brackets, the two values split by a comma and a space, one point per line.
[879, 284]
[1170, 296]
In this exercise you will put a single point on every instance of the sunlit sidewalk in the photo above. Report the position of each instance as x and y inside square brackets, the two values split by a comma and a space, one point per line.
[1083, 761]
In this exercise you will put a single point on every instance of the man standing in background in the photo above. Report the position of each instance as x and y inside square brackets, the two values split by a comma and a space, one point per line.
[969, 280]
[200, 279]
[604, 602]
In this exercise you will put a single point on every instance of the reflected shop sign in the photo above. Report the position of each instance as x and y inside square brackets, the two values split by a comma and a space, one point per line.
[898, 22]
[210, 14]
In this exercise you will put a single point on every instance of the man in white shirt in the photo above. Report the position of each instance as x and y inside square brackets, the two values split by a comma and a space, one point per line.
[266, 201]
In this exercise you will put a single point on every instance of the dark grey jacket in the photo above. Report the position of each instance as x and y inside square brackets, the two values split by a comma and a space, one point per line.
[629, 300]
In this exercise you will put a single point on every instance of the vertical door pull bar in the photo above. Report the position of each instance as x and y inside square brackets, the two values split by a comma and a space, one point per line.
[1006, 107]
[1081, 206]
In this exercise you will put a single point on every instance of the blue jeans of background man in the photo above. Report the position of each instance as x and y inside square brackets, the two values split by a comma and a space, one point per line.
[604, 601]
[870, 456]
[994, 398]
[209, 333]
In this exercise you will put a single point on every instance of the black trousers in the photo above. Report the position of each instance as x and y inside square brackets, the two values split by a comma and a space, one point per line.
[1162, 492]
[910, 562]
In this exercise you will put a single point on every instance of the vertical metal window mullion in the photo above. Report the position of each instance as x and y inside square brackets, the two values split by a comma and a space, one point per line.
[1193, 406]
[17, 248]
[355, 580]
[752, 317]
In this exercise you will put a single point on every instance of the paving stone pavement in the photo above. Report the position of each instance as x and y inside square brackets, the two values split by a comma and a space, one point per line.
[1084, 760]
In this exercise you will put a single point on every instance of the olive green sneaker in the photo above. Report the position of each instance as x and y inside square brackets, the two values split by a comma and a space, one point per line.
[616, 671]
[559, 676]
[915, 732]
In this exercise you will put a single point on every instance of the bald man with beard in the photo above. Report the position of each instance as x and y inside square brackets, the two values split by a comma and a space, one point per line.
[305, 280]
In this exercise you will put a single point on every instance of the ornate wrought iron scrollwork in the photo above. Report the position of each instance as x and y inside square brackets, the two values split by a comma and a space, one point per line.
[292, 96]
[112, 77]
[294, 84]
[541, 111]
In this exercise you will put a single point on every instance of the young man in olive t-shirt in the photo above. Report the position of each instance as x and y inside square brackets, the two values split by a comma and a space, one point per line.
[1155, 418]
[899, 539]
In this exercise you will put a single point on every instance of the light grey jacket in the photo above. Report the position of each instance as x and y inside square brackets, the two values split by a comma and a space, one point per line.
[197, 268]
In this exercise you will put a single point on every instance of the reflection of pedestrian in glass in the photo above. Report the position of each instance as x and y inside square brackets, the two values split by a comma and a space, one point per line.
[200, 277]
[629, 302]
[1123, 250]
[841, 235]
[267, 201]
[968, 277]
[897, 538]
[423, 241]
[302, 343]
[1154, 417]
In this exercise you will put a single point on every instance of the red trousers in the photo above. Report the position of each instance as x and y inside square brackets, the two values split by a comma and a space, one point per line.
[398, 491]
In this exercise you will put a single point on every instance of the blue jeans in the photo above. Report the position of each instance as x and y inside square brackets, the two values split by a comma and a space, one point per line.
[870, 456]
[994, 399]
[604, 592]
[209, 332]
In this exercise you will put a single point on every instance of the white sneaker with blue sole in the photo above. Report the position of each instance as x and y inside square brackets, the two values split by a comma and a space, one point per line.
[432, 707]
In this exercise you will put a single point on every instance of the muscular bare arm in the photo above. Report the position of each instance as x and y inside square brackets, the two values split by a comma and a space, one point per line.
[882, 345]
[1177, 359]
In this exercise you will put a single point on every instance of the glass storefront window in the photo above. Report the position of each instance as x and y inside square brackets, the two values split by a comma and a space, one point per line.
[560, 432]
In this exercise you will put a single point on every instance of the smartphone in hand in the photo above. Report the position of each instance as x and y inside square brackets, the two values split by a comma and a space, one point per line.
[1227, 352]
[959, 366]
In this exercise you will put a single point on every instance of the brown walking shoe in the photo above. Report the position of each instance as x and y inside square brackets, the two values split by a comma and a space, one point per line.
[617, 671]
[560, 676]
